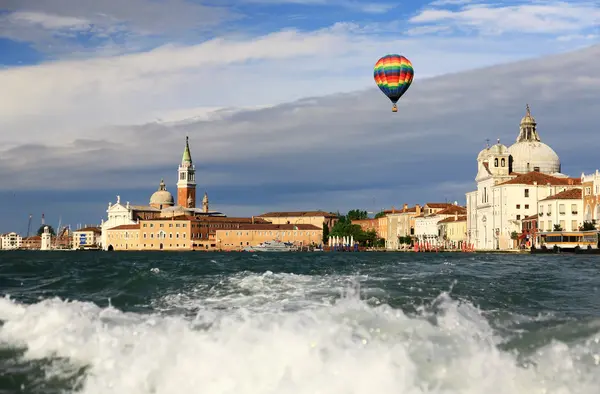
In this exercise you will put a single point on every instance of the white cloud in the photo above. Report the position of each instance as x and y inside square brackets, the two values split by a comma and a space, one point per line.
[48, 21]
[315, 139]
[548, 17]
[56, 103]
[360, 5]
[110, 26]
[340, 151]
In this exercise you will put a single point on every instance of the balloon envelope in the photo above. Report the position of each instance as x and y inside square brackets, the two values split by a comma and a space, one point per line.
[394, 75]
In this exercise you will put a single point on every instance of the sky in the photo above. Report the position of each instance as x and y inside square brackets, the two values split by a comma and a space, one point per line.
[278, 100]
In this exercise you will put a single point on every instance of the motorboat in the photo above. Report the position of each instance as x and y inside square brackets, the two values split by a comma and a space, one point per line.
[271, 246]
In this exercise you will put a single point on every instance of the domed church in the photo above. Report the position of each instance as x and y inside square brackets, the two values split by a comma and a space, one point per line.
[527, 154]
[510, 183]
[162, 203]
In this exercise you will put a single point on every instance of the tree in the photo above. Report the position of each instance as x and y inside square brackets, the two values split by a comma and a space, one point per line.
[379, 215]
[588, 226]
[514, 235]
[344, 228]
[325, 233]
[357, 214]
[41, 229]
[557, 227]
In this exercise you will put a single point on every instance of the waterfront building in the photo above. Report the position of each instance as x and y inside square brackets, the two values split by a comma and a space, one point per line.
[184, 232]
[510, 183]
[427, 230]
[564, 210]
[161, 203]
[33, 242]
[590, 185]
[453, 231]
[529, 231]
[254, 234]
[10, 241]
[316, 218]
[123, 237]
[87, 238]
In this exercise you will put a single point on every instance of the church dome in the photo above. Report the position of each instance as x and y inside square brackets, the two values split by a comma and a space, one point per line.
[483, 154]
[529, 153]
[530, 156]
[162, 197]
[498, 149]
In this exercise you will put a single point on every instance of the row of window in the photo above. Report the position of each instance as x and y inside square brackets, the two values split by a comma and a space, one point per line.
[280, 233]
[195, 225]
[561, 209]
[561, 223]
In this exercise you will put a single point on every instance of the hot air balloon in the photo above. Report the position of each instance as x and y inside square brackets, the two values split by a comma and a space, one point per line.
[394, 75]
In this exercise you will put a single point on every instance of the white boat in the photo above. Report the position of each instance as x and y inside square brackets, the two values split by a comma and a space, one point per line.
[271, 246]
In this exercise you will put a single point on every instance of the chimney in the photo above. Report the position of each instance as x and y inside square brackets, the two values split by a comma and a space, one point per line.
[405, 208]
[393, 209]
[418, 209]
[252, 219]
[456, 216]
[570, 181]
[534, 183]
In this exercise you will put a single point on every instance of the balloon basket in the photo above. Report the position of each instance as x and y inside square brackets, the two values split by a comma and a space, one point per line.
[394, 108]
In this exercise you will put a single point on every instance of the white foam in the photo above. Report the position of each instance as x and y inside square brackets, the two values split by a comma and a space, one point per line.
[345, 347]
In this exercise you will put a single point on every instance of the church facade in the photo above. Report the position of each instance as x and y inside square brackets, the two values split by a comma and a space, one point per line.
[511, 181]
[161, 203]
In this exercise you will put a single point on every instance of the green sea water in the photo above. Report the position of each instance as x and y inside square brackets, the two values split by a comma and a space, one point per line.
[330, 323]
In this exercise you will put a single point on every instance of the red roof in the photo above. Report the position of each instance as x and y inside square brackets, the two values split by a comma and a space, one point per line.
[299, 214]
[93, 229]
[541, 179]
[452, 219]
[569, 194]
[126, 227]
[276, 227]
[452, 209]
[438, 205]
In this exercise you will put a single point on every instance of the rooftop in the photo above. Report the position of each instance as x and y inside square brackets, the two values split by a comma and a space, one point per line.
[269, 226]
[570, 194]
[539, 178]
[453, 219]
[126, 227]
[87, 229]
[299, 214]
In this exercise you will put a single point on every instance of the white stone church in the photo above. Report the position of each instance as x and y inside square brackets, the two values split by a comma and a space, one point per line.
[510, 183]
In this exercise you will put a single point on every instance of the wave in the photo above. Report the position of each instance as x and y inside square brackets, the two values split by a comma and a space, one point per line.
[242, 336]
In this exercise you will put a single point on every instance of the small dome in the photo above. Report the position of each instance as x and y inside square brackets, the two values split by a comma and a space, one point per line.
[527, 155]
[162, 196]
[499, 149]
[483, 154]
[528, 119]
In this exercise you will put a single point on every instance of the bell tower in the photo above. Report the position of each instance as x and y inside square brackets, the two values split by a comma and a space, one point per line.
[186, 183]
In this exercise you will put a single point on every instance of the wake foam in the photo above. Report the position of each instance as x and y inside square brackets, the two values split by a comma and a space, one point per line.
[245, 343]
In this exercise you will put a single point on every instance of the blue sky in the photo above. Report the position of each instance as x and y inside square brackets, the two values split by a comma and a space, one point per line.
[98, 97]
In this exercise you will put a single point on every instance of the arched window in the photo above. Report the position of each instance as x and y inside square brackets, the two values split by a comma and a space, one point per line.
[496, 162]
[503, 162]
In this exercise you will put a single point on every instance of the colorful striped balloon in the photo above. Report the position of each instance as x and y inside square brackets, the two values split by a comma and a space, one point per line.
[394, 75]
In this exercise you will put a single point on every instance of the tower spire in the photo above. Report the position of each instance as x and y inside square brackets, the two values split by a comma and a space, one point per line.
[186, 184]
[528, 128]
[186, 159]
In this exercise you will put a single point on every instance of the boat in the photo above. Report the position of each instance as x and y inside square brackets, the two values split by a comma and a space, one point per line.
[271, 246]
[579, 242]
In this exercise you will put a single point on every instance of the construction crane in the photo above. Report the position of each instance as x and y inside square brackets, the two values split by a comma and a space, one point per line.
[29, 225]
